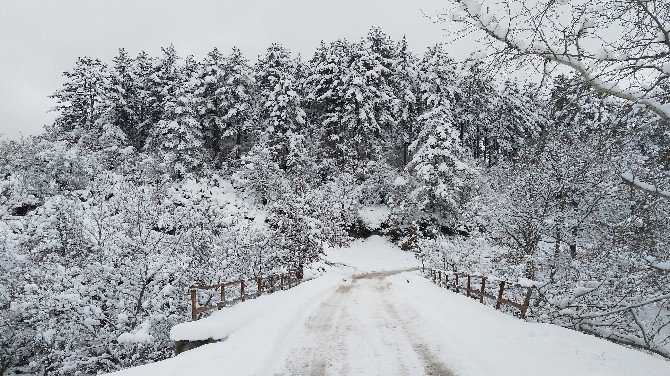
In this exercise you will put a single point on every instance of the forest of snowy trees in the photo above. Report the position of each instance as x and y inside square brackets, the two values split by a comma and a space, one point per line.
[163, 171]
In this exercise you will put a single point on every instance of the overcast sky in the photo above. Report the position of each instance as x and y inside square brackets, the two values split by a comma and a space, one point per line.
[41, 39]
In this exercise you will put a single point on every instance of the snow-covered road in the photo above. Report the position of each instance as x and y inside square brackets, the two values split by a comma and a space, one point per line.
[369, 316]
[362, 324]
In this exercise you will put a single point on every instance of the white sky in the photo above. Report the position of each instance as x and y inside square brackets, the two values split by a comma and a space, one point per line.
[41, 39]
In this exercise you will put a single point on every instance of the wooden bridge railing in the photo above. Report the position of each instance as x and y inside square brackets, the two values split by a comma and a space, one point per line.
[231, 292]
[475, 286]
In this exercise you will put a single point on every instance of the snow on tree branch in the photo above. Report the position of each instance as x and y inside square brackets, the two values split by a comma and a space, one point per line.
[619, 48]
[632, 181]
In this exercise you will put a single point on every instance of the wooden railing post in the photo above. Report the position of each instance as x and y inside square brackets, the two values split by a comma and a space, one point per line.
[500, 294]
[439, 278]
[446, 280]
[223, 293]
[281, 283]
[242, 289]
[482, 290]
[468, 288]
[526, 302]
[259, 282]
[194, 308]
[272, 282]
[456, 284]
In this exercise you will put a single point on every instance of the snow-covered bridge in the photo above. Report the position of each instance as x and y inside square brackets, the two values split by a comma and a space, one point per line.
[369, 316]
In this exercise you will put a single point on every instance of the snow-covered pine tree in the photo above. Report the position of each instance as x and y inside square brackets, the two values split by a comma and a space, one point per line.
[122, 94]
[438, 86]
[238, 111]
[520, 121]
[367, 109]
[119, 123]
[353, 95]
[177, 137]
[280, 107]
[475, 111]
[440, 165]
[209, 101]
[439, 161]
[79, 101]
[325, 96]
[148, 98]
[406, 96]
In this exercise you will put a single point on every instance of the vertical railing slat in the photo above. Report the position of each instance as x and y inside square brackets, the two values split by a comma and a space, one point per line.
[501, 291]
[194, 308]
[526, 302]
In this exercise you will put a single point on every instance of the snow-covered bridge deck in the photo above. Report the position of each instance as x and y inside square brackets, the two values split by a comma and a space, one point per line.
[368, 319]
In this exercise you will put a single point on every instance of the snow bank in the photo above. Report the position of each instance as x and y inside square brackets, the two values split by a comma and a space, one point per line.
[258, 332]
[372, 255]
[474, 339]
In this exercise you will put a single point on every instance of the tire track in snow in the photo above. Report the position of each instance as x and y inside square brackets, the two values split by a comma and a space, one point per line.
[321, 328]
[432, 364]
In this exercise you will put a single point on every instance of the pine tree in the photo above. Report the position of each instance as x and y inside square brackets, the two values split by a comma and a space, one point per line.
[225, 94]
[367, 108]
[79, 100]
[326, 95]
[147, 91]
[406, 97]
[439, 160]
[280, 104]
[210, 102]
[177, 136]
[439, 80]
[520, 120]
[121, 93]
[440, 164]
[475, 111]
[240, 91]
[438, 90]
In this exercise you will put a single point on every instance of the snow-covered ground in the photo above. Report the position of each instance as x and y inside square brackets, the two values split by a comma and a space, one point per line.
[367, 318]
[370, 255]
[473, 339]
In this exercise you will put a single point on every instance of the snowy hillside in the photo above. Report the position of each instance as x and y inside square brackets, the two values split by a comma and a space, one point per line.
[357, 319]
[162, 171]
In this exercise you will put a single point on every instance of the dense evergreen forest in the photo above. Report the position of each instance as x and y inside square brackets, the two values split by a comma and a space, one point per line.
[163, 171]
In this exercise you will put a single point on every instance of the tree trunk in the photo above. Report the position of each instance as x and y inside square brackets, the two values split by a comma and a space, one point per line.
[573, 244]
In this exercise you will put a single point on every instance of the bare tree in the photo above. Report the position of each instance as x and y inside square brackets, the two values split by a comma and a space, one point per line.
[620, 48]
